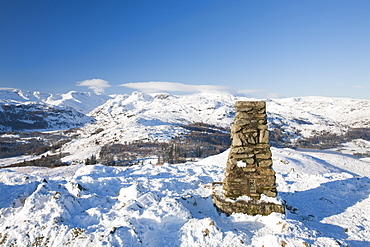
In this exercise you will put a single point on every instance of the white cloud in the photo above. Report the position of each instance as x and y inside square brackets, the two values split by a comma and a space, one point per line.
[156, 87]
[249, 91]
[358, 86]
[97, 85]
[273, 95]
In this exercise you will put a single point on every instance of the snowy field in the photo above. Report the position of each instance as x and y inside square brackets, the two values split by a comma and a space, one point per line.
[326, 195]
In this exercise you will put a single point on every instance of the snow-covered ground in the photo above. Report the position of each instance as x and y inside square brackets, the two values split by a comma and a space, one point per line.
[326, 194]
[18, 159]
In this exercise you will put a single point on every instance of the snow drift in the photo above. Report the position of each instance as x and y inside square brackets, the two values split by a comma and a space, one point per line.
[327, 201]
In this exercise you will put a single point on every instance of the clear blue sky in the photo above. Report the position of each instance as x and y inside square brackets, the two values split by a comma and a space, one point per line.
[268, 48]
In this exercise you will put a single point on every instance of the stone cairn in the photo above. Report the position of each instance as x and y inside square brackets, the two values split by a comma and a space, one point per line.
[249, 166]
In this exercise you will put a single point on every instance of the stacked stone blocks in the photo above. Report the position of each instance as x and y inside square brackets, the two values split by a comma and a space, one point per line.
[249, 165]
[248, 169]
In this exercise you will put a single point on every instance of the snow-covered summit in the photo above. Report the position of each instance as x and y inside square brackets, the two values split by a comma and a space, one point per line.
[83, 102]
[25, 110]
[206, 108]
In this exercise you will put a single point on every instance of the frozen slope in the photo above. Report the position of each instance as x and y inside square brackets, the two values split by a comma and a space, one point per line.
[158, 117]
[148, 118]
[327, 198]
[314, 114]
[40, 116]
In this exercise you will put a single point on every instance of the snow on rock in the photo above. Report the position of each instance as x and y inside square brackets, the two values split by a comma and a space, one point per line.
[170, 205]
[241, 163]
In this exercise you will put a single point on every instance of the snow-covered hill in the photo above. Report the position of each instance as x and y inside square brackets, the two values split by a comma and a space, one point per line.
[80, 101]
[41, 117]
[24, 110]
[159, 117]
[314, 114]
[326, 195]
[304, 115]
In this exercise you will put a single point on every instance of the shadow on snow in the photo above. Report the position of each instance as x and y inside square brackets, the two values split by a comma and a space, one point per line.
[332, 198]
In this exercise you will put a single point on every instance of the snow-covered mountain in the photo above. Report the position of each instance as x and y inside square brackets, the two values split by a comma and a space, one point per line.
[82, 102]
[159, 117]
[40, 117]
[313, 114]
[24, 110]
[304, 115]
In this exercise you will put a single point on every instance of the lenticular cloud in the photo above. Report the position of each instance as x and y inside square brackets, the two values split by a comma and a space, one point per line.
[156, 87]
[97, 85]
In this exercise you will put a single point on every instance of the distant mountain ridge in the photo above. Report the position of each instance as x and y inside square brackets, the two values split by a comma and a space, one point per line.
[302, 114]
[83, 102]
[25, 110]
[161, 116]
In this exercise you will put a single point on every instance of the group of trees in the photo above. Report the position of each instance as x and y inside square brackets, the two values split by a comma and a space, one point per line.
[44, 161]
[318, 140]
[35, 143]
[325, 139]
[202, 140]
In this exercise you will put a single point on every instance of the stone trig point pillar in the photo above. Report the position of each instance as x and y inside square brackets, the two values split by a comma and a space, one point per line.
[248, 172]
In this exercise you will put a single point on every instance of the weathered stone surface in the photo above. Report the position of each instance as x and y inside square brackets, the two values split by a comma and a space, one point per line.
[262, 127]
[262, 146]
[262, 121]
[235, 128]
[241, 150]
[248, 169]
[243, 115]
[250, 161]
[264, 163]
[265, 155]
[246, 207]
[242, 122]
[264, 136]
[250, 131]
[266, 171]
[259, 116]
[251, 139]
[270, 193]
[252, 105]
[243, 156]
[238, 140]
